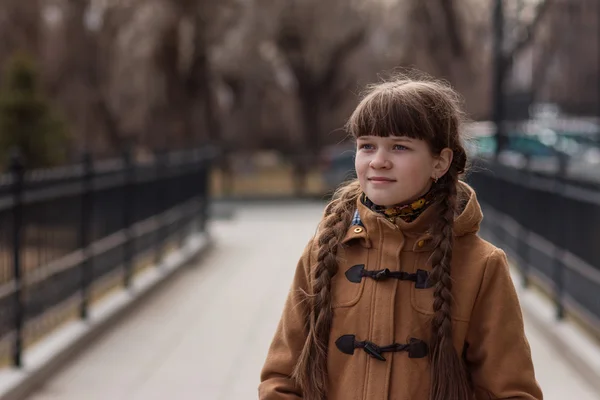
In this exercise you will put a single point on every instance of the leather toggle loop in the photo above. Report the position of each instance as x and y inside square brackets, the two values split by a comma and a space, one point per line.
[415, 348]
[383, 274]
[357, 272]
[373, 350]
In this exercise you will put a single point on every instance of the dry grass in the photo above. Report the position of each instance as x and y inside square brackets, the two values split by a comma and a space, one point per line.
[266, 182]
[40, 246]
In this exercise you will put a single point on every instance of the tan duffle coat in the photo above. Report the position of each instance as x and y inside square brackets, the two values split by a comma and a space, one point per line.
[372, 312]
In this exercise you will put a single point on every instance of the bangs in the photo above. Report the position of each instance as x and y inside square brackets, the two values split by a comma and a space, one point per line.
[389, 113]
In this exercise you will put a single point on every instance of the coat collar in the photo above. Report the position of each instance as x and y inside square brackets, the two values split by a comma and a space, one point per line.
[357, 231]
[368, 226]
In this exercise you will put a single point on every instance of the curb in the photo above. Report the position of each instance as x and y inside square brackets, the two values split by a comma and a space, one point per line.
[579, 350]
[59, 348]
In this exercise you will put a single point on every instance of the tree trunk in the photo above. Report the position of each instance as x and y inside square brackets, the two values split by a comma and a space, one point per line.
[310, 149]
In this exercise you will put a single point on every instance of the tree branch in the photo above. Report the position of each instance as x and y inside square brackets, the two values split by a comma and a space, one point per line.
[452, 27]
[528, 35]
[340, 54]
[109, 120]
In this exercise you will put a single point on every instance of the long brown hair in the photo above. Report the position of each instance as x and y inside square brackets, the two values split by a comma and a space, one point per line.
[420, 108]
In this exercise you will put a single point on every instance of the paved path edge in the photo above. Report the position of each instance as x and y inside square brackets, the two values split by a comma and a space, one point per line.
[577, 349]
[44, 360]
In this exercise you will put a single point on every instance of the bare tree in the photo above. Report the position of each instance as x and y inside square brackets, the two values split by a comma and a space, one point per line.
[182, 58]
[20, 23]
[564, 67]
[446, 39]
[78, 64]
[522, 22]
[317, 40]
[253, 74]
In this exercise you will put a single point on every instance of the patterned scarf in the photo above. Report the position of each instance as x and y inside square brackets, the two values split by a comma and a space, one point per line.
[407, 212]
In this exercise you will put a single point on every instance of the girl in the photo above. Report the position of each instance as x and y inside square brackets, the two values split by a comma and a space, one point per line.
[397, 297]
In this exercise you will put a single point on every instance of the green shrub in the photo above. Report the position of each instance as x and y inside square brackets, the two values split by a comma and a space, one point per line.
[27, 121]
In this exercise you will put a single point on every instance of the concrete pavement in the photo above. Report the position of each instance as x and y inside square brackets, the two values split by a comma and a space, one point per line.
[205, 335]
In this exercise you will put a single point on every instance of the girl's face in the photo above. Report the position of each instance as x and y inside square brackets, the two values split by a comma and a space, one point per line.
[397, 169]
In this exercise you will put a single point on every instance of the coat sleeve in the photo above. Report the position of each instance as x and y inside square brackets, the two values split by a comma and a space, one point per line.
[498, 353]
[289, 338]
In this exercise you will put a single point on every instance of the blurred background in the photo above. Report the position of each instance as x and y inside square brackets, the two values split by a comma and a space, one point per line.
[135, 134]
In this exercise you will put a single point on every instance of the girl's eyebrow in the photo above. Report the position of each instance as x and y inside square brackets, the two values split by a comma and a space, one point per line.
[393, 138]
[401, 139]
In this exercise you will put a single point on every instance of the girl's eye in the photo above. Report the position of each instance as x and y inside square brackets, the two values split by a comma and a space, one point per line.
[366, 146]
[400, 147]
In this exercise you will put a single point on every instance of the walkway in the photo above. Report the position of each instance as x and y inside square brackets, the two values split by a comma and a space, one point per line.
[205, 335]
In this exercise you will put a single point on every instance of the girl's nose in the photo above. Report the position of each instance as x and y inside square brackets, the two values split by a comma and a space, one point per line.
[380, 161]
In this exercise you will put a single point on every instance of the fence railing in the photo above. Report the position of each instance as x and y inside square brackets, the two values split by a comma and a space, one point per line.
[69, 235]
[551, 226]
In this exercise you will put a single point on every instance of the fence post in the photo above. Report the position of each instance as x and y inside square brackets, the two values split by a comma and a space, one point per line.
[85, 231]
[204, 187]
[129, 169]
[559, 277]
[17, 169]
[498, 75]
[160, 205]
[200, 194]
[560, 235]
[523, 249]
[182, 223]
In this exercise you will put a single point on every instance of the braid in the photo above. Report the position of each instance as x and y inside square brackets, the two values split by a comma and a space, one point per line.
[310, 371]
[449, 377]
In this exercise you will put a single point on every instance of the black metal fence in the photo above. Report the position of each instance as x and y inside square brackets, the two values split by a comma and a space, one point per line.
[69, 234]
[551, 226]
